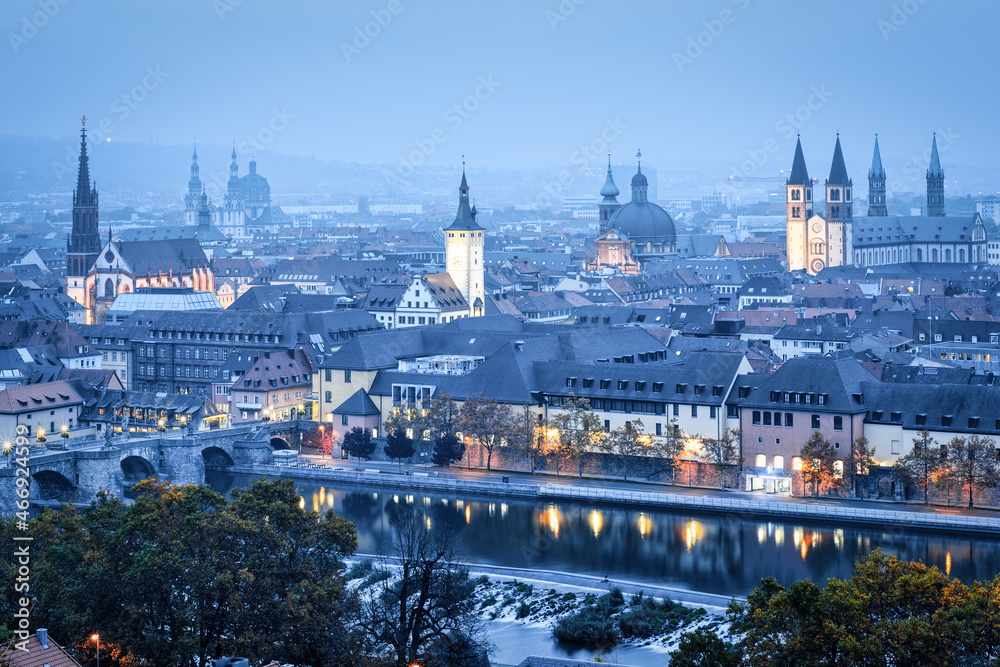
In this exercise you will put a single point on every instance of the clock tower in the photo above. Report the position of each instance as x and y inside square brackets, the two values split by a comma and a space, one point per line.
[463, 248]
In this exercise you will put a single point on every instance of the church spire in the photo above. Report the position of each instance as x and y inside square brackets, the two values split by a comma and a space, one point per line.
[876, 185]
[935, 183]
[82, 197]
[838, 170]
[610, 203]
[464, 219]
[234, 169]
[639, 183]
[84, 241]
[799, 175]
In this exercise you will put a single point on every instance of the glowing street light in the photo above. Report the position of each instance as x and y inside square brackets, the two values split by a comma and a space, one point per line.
[97, 639]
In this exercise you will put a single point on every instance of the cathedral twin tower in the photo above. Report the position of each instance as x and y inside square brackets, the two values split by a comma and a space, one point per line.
[817, 241]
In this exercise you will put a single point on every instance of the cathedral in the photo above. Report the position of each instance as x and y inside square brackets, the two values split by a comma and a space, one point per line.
[96, 273]
[837, 238]
[633, 233]
[246, 209]
[464, 244]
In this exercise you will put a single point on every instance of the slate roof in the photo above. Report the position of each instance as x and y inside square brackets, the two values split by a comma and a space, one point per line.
[444, 291]
[818, 331]
[838, 170]
[837, 379]
[266, 297]
[60, 335]
[359, 404]
[799, 175]
[896, 229]
[162, 256]
[932, 402]
[384, 297]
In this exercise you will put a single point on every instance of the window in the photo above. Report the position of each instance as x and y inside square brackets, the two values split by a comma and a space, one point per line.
[760, 461]
[767, 419]
[711, 412]
[694, 410]
[329, 396]
[677, 409]
[895, 446]
[895, 417]
[921, 420]
[756, 417]
[329, 375]
[659, 429]
[838, 423]
[836, 445]
[815, 422]
[788, 420]
[347, 376]
[779, 462]
[777, 419]
[343, 420]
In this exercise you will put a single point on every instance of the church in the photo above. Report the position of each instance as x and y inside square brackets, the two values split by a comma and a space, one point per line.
[634, 233]
[246, 209]
[96, 273]
[815, 242]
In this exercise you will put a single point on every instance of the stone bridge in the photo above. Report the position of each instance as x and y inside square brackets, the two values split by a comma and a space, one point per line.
[91, 467]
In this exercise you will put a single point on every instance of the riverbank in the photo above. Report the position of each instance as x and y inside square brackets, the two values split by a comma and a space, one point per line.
[719, 503]
[523, 613]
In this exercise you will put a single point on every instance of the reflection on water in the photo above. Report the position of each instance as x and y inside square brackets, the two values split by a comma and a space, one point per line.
[720, 554]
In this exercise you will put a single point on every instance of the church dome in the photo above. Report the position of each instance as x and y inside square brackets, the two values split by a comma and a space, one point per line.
[639, 180]
[645, 224]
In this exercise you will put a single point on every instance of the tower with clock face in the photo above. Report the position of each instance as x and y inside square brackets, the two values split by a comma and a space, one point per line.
[464, 241]
[799, 204]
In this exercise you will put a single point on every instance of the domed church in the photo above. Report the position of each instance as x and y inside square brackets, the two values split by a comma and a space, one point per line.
[636, 232]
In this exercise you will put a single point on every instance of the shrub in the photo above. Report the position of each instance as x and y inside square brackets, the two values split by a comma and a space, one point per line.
[360, 569]
[569, 597]
[593, 625]
[374, 577]
[649, 616]
[523, 610]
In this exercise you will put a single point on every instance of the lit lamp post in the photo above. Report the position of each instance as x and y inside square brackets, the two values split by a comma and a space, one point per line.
[6, 452]
[40, 436]
[96, 638]
[64, 432]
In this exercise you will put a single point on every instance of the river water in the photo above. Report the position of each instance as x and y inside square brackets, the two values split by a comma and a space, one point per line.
[722, 554]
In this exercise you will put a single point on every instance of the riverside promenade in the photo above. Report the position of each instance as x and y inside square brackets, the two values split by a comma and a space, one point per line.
[636, 494]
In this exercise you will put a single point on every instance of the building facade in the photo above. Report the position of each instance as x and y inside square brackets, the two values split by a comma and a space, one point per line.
[463, 246]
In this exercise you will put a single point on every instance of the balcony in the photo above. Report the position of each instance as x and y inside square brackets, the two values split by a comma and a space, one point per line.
[250, 406]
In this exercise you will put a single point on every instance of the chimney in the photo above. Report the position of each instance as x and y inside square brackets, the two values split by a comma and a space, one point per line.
[519, 344]
[43, 637]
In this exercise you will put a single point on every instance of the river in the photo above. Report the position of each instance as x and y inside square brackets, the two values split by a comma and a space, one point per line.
[721, 554]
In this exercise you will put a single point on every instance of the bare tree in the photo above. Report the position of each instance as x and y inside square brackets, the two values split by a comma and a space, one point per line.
[487, 423]
[723, 452]
[920, 465]
[421, 609]
[973, 461]
[858, 462]
[670, 448]
[579, 429]
[626, 443]
[527, 435]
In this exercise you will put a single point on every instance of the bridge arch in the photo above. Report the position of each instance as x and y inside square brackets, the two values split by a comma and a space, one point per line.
[136, 468]
[216, 456]
[279, 443]
[51, 485]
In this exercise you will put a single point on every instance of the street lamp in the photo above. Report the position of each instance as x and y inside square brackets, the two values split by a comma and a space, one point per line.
[64, 432]
[97, 639]
[40, 436]
[7, 444]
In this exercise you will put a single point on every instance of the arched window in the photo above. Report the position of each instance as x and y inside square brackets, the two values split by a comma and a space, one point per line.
[761, 461]
[961, 255]
[920, 254]
[779, 462]
[934, 255]
[109, 288]
[947, 254]
[796, 463]
[817, 247]
[796, 195]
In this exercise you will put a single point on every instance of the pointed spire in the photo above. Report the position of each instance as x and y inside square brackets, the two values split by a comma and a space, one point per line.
[876, 170]
[194, 156]
[799, 175]
[464, 185]
[838, 170]
[83, 176]
[609, 191]
[935, 166]
[638, 159]
[465, 219]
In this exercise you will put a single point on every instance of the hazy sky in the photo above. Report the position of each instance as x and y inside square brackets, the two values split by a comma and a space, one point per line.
[533, 81]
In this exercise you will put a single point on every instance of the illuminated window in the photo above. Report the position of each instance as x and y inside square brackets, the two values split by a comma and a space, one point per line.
[796, 463]
[761, 461]
[779, 462]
